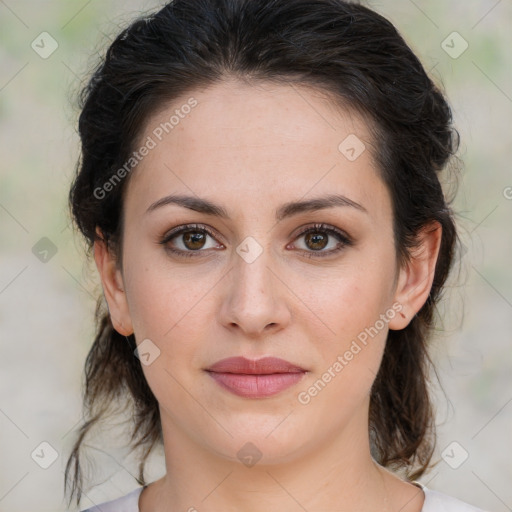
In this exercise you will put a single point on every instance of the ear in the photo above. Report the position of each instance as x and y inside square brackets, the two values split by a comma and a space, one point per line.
[416, 277]
[113, 287]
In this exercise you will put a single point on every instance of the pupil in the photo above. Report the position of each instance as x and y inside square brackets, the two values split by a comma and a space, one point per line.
[193, 238]
[317, 239]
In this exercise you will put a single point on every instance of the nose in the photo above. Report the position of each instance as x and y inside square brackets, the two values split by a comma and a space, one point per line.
[254, 301]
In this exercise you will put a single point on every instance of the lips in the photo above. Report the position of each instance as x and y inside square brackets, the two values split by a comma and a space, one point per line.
[259, 378]
[264, 366]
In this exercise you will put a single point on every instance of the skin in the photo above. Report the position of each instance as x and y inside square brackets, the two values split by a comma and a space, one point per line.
[251, 148]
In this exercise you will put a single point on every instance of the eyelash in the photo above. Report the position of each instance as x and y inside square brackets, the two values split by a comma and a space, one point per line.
[344, 240]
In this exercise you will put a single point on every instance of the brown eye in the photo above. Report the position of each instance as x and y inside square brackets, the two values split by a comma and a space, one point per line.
[189, 240]
[194, 240]
[316, 241]
[320, 236]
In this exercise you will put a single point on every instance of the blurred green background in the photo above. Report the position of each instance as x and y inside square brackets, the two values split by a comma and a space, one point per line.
[48, 289]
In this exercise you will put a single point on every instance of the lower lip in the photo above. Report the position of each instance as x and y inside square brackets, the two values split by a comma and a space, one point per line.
[256, 386]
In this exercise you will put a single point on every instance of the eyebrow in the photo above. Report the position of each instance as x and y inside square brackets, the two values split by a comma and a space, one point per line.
[286, 210]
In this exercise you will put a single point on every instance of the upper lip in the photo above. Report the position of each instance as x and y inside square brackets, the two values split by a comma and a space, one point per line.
[263, 366]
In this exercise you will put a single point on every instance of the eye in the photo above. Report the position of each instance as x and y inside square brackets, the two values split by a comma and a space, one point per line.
[319, 236]
[190, 239]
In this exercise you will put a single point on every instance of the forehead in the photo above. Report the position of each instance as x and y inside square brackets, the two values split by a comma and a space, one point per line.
[254, 142]
[238, 115]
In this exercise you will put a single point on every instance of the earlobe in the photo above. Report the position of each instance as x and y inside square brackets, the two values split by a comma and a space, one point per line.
[113, 286]
[416, 277]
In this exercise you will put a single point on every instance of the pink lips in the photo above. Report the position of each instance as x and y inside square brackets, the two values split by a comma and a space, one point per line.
[255, 378]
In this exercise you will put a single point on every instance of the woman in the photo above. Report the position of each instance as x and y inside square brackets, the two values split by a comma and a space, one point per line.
[259, 185]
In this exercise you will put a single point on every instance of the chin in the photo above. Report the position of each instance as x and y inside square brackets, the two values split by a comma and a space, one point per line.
[254, 443]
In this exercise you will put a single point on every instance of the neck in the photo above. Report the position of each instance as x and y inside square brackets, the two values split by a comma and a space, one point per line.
[335, 474]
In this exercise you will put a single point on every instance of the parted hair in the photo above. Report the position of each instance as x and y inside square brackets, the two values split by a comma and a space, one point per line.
[340, 47]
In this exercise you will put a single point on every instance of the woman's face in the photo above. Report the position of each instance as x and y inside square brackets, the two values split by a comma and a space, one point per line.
[276, 161]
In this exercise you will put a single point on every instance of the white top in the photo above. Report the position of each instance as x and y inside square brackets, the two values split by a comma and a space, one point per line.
[435, 501]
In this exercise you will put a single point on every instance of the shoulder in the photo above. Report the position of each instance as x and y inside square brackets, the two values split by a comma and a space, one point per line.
[127, 503]
[436, 501]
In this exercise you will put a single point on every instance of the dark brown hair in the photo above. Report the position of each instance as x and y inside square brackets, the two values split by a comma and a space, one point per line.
[339, 47]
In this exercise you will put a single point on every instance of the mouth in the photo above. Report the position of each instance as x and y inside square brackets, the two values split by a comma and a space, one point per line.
[258, 378]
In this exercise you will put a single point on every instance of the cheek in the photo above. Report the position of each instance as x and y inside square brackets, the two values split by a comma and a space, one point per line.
[162, 297]
[349, 302]
[169, 309]
[349, 356]
[349, 329]
[172, 307]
